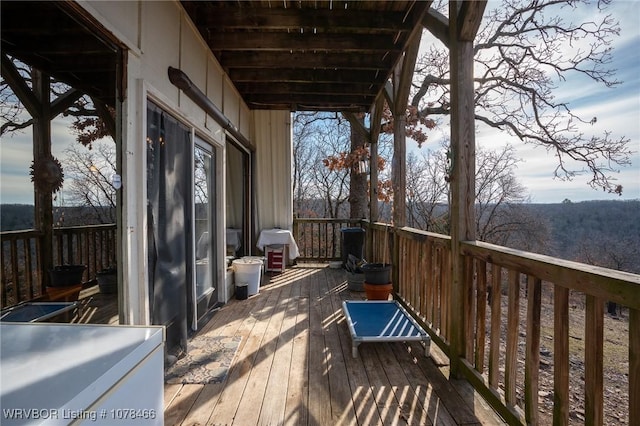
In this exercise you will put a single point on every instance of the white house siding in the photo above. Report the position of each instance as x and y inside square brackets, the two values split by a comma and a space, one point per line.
[158, 34]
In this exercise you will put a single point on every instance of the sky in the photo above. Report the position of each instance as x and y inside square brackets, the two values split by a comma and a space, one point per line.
[617, 110]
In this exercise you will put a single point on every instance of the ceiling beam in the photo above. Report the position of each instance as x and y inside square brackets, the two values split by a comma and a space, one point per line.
[302, 98]
[438, 25]
[309, 88]
[20, 87]
[469, 19]
[282, 19]
[304, 60]
[308, 41]
[248, 75]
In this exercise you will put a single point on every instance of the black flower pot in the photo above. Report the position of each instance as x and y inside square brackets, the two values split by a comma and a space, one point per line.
[66, 275]
[377, 273]
[108, 281]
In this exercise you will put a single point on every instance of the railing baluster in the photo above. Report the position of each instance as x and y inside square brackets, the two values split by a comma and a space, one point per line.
[634, 366]
[513, 321]
[532, 356]
[481, 303]
[28, 279]
[15, 273]
[470, 308]
[593, 361]
[496, 318]
[561, 356]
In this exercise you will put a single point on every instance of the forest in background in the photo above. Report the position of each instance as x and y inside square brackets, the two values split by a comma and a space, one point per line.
[604, 233]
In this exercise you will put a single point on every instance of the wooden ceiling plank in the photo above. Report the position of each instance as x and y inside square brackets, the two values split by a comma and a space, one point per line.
[281, 19]
[298, 60]
[239, 41]
[244, 75]
[310, 88]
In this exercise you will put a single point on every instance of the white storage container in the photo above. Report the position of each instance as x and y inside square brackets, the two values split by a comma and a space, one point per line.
[249, 271]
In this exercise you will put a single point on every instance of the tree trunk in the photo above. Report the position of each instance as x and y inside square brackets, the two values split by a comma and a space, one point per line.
[358, 197]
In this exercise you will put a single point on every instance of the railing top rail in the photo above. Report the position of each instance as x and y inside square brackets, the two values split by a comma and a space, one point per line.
[607, 284]
[325, 220]
[23, 233]
[419, 235]
[85, 227]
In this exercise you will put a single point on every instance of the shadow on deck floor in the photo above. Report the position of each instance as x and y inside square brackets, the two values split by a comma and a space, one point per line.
[294, 366]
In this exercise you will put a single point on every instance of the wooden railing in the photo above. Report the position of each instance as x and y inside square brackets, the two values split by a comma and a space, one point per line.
[21, 270]
[515, 305]
[320, 239]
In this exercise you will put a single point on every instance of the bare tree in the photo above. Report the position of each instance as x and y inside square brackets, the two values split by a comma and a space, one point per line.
[523, 52]
[501, 217]
[88, 180]
[428, 191]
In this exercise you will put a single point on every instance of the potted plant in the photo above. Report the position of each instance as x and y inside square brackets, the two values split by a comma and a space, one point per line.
[66, 275]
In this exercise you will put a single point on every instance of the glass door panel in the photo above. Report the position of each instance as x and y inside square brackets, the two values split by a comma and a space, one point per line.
[204, 228]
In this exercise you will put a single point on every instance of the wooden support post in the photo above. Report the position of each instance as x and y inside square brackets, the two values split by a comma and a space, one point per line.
[43, 200]
[463, 179]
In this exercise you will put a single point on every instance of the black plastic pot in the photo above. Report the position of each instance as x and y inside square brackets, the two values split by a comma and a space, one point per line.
[377, 273]
[108, 280]
[66, 275]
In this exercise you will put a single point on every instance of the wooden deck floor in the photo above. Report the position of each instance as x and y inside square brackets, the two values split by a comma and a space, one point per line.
[294, 367]
[97, 308]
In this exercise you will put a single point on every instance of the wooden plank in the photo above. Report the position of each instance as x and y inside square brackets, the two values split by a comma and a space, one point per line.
[170, 392]
[511, 351]
[481, 303]
[379, 384]
[319, 399]
[203, 406]
[297, 398]
[411, 409]
[252, 331]
[593, 361]
[273, 406]
[448, 396]
[560, 356]
[496, 320]
[342, 411]
[532, 350]
[469, 309]
[255, 391]
[363, 400]
[175, 413]
[433, 408]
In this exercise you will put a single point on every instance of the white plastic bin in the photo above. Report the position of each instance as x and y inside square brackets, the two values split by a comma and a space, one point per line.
[248, 270]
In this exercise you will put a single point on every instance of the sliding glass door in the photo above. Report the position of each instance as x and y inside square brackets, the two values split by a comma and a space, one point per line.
[205, 291]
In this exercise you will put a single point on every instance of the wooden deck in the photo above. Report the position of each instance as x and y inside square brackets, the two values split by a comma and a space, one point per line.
[96, 308]
[294, 367]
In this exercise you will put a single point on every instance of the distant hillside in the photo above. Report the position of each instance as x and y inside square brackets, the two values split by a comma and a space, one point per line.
[596, 222]
[15, 217]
